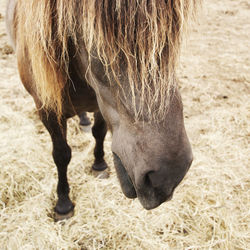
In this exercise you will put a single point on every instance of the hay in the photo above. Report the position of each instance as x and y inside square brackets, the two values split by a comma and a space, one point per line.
[210, 209]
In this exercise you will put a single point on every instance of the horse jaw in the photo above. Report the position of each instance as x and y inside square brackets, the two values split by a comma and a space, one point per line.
[125, 181]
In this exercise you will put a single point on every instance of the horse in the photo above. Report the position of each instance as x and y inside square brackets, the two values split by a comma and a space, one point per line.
[117, 59]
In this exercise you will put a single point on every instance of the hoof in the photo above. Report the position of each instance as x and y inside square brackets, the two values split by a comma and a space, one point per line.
[64, 209]
[60, 217]
[101, 174]
[101, 166]
[100, 170]
[84, 120]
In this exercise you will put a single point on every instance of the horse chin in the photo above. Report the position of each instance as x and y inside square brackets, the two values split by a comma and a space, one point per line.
[154, 201]
[125, 181]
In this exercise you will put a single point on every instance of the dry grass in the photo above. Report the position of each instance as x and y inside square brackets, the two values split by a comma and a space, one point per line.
[210, 209]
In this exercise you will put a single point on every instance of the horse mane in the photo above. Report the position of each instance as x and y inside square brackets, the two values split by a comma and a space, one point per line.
[144, 36]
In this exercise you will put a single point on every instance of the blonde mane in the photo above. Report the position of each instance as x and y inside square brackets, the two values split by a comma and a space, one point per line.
[142, 36]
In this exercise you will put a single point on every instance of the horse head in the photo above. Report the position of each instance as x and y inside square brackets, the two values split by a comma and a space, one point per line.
[151, 157]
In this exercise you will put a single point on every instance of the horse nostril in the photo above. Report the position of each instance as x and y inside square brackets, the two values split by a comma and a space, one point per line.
[152, 179]
[148, 181]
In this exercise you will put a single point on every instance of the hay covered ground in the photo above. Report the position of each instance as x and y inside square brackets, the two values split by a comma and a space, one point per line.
[209, 210]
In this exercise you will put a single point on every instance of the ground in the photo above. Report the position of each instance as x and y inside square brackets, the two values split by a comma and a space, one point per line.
[209, 210]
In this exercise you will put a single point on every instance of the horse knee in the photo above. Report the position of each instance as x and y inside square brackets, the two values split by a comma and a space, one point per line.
[62, 155]
[99, 130]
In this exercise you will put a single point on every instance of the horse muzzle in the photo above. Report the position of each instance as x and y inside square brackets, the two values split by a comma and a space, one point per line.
[153, 188]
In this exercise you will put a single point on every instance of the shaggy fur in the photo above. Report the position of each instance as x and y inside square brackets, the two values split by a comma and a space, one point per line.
[141, 38]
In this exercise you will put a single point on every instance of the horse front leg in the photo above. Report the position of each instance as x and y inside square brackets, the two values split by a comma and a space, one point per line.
[61, 155]
[99, 131]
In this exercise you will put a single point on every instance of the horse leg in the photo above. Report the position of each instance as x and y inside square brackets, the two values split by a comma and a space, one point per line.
[61, 155]
[99, 131]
